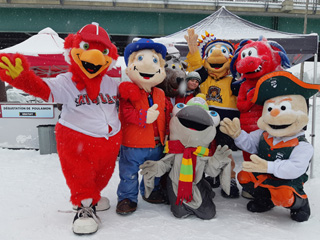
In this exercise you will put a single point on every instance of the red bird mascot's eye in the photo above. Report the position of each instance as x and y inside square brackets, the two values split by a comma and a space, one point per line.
[252, 60]
[88, 133]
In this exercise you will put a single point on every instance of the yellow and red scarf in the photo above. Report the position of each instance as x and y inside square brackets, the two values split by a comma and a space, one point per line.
[188, 167]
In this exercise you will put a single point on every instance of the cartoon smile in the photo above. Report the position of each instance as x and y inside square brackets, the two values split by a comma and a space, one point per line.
[276, 127]
[197, 121]
[91, 68]
[146, 75]
[216, 65]
[256, 71]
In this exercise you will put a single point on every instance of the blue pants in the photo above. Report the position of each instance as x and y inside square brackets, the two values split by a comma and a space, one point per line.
[129, 162]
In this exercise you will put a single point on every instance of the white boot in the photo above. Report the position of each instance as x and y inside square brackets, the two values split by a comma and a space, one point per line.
[102, 205]
[86, 221]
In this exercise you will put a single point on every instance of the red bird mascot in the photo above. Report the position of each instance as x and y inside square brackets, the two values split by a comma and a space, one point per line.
[88, 132]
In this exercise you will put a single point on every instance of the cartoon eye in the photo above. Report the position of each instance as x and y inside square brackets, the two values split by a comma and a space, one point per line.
[215, 117]
[177, 108]
[105, 52]
[213, 113]
[270, 106]
[155, 60]
[140, 58]
[285, 106]
[173, 66]
[225, 51]
[180, 105]
[84, 45]
[249, 52]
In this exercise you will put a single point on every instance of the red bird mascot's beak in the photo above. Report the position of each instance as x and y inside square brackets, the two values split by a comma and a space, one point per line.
[91, 55]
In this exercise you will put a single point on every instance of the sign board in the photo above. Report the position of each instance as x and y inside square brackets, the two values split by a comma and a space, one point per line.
[26, 111]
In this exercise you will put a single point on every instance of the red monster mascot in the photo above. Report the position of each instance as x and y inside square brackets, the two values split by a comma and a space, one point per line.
[88, 133]
[252, 60]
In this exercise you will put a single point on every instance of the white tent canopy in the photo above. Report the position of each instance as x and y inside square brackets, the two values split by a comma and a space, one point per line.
[226, 25]
[47, 41]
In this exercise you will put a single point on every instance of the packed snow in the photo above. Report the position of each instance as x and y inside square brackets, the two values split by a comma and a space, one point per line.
[35, 201]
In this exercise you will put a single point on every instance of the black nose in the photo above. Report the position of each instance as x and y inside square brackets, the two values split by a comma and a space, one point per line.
[179, 80]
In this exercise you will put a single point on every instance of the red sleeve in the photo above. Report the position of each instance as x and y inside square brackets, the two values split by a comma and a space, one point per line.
[168, 112]
[132, 115]
[244, 103]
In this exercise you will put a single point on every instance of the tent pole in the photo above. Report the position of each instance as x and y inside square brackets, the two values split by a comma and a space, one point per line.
[314, 108]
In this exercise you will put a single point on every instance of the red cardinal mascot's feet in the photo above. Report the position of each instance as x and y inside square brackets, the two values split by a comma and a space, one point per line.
[88, 132]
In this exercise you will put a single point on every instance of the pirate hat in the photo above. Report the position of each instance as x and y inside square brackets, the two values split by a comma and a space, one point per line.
[282, 83]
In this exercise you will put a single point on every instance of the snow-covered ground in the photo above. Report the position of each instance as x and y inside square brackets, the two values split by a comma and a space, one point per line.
[35, 205]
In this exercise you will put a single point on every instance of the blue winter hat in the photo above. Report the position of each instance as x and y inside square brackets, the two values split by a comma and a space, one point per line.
[144, 43]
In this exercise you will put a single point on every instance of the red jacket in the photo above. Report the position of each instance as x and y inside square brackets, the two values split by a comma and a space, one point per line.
[133, 113]
[249, 112]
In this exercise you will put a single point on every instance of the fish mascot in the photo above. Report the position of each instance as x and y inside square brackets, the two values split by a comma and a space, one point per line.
[280, 152]
[192, 128]
[88, 132]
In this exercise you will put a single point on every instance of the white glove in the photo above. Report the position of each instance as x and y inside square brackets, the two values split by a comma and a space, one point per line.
[149, 170]
[221, 156]
[222, 163]
[152, 113]
[231, 128]
[257, 164]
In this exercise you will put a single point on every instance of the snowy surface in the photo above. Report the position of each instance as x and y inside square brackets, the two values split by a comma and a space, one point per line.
[35, 201]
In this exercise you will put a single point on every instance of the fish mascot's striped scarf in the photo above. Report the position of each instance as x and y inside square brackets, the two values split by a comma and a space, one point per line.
[188, 167]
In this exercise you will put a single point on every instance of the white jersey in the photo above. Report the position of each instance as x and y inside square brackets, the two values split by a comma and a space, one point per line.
[79, 113]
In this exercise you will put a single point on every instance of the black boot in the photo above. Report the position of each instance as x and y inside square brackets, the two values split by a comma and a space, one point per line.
[260, 205]
[213, 181]
[300, 210]
[234, 191]
[156, 197]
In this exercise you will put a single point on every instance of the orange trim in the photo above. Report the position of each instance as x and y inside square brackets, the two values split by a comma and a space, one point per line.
[291, 143]
[280, 196]
[286, 74]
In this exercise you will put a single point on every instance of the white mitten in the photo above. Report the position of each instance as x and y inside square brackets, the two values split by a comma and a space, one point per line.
[152, 113]
[222, 163]
[231, 127]
[149, 170]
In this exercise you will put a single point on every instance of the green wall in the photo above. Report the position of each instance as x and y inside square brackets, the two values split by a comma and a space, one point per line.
[127, 23]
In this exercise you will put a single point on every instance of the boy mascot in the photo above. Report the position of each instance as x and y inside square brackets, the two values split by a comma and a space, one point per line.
[144, 120]
[192, 128]
[211, 57]
[280, 152]
[88, 132]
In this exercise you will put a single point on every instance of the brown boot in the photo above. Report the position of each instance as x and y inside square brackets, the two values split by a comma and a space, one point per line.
[126, 206]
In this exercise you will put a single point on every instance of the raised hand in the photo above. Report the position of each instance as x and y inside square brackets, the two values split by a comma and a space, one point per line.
[152, 113]
[230, 127]
[191, 39]
[12, 70]
[221, 155]
[257, 164]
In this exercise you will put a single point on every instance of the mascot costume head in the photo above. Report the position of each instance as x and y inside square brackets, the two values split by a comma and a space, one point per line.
[216, 55]
[90, 54]
[253, 59]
